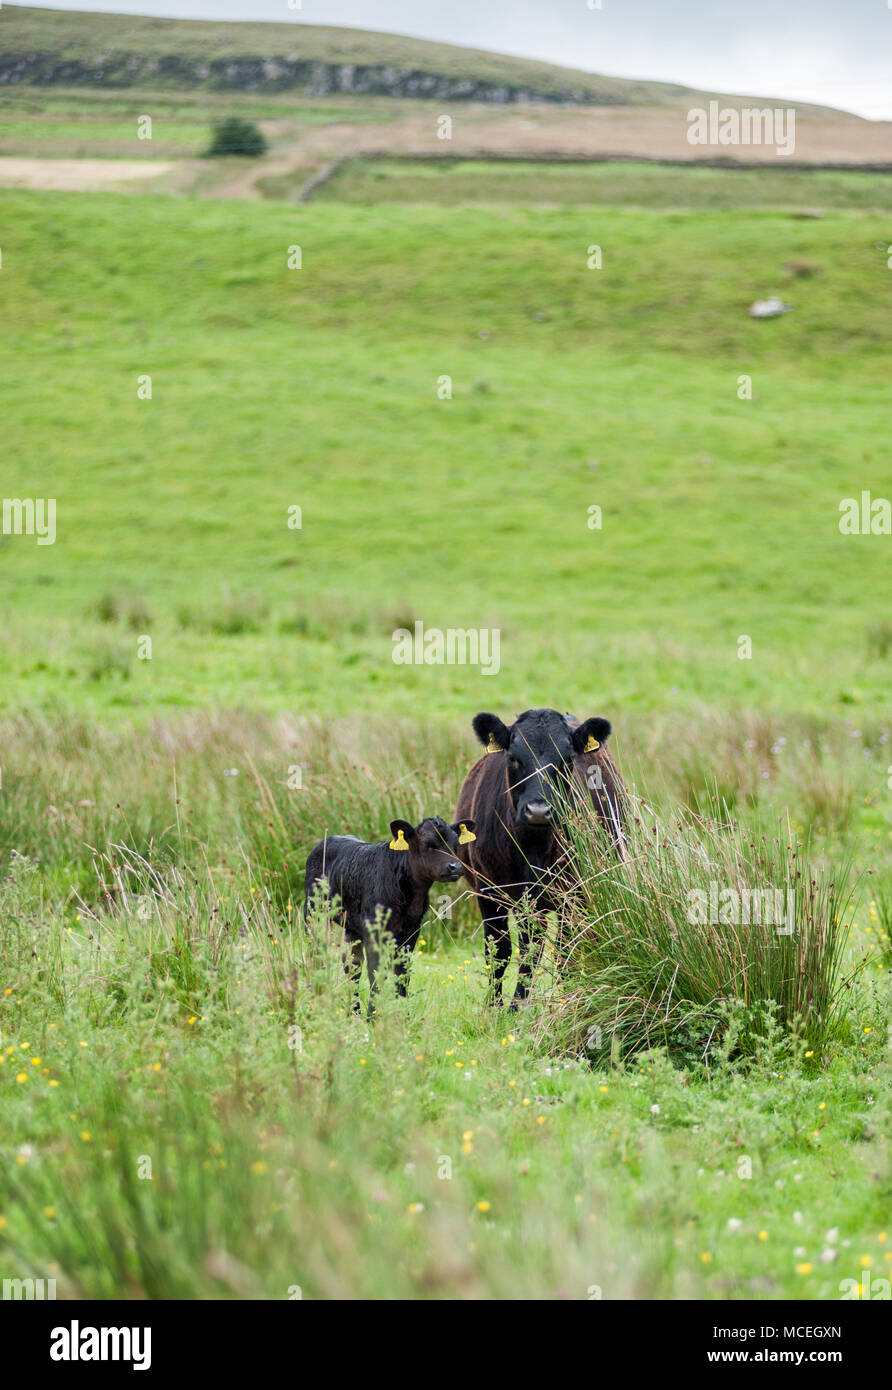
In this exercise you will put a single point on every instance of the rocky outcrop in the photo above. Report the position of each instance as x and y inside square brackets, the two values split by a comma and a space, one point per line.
[116, 70]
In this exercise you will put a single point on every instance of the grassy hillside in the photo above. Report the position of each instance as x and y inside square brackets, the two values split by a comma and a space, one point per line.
[318, 387]
[123, 50]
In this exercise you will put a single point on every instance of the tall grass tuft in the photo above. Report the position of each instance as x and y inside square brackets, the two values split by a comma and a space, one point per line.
[704, 920]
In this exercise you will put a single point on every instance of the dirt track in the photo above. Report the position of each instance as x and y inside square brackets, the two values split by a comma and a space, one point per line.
[77, 175]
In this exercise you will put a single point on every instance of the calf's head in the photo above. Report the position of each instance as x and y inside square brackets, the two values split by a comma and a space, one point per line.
[432, 847]
[540, 747]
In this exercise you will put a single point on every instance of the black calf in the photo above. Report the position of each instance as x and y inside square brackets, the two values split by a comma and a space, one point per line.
[394, 877]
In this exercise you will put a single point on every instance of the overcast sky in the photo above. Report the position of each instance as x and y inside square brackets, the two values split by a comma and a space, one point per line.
[834, 52]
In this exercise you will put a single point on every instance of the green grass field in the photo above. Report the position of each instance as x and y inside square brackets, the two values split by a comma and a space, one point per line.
[610, 183]
[318, 388]
[191, 1108]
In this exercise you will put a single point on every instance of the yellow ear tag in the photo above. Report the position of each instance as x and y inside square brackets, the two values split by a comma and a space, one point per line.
[466, 835]
[399, 842]
[492, 746]
[592, 746]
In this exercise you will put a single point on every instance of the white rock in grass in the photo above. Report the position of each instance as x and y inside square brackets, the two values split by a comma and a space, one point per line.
[769, 308]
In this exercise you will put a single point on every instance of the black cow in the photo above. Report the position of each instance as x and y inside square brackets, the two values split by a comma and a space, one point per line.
[394, 877]
[514, 795]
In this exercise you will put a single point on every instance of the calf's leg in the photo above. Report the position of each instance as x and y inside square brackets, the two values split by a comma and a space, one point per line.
[372, 956]
[405, 947]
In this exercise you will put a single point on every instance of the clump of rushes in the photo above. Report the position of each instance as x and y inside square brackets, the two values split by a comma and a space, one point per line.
[664, 949]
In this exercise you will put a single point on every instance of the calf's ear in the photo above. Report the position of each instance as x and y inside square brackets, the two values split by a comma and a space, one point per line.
[590, 735]
[402, 832]
[491, 732]
[464, 829]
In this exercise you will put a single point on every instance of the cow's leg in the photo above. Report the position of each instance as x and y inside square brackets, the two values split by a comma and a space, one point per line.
[497, 943]
[352, 958]
[535, 906]
[525, 969]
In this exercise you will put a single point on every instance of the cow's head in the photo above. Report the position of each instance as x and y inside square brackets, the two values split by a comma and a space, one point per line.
[540, 747]
[432, 847]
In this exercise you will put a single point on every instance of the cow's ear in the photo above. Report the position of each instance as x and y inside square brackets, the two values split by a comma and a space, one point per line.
[464, 829]
[402, 833]
[492, 733]
[590, 735]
